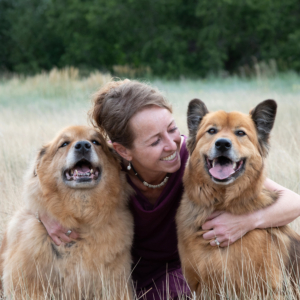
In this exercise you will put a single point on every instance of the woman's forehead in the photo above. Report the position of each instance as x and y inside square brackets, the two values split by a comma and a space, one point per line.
[150, 122]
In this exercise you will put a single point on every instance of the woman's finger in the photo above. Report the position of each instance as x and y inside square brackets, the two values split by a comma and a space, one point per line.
[214, 215]
[225, 244]
[64, 238]
[213, 241]
[74, 235]
[56, 240]
[209, 235]
[208, 225]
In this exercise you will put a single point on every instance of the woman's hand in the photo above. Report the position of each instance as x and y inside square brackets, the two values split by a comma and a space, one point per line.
[226, 228]
[56, 231]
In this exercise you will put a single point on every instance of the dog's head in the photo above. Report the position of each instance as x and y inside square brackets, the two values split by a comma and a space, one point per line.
[75, 159]
[229, 145]
[74, 176]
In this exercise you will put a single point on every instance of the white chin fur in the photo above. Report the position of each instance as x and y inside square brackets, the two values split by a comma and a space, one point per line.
[81, 185]
[223, 183]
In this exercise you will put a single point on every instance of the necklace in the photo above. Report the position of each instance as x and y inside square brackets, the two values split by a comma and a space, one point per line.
[152, 186]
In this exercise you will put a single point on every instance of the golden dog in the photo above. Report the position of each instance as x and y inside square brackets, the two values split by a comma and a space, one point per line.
[77, 181]
[225, 172]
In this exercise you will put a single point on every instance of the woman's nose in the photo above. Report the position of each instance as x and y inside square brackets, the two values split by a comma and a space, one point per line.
[170, 145]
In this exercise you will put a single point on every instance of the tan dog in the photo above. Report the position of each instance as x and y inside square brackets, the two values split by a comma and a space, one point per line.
[76, 180]
[226, 172]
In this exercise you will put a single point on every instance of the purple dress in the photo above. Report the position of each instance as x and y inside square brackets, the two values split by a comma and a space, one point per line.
[156, 267]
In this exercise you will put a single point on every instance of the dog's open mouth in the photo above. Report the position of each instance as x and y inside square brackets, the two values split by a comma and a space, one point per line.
[223, 169]
[82, 171]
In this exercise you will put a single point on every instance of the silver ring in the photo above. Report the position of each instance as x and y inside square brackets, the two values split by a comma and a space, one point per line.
[68, 232]
[217, 242]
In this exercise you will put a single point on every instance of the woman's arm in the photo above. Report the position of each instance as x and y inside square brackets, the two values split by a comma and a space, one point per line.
[56, 231]
[228, 228]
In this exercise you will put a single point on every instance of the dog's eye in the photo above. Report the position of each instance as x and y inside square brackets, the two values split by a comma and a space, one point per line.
[64, 144]
[212, 131]
[95, 142]
[240, 133]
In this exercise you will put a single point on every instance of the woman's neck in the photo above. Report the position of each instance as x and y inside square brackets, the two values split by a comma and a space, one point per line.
[153, 178]
[152, 195]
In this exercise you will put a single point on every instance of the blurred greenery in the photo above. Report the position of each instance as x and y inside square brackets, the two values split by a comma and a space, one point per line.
[171, 37]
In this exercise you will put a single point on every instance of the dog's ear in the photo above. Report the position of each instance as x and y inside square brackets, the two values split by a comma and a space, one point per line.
[196, 111]
[263, 116]
[39, 157]
[114, 153]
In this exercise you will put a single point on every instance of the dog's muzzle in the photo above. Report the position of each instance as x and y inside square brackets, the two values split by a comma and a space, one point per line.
[222, 164]
[82, 165]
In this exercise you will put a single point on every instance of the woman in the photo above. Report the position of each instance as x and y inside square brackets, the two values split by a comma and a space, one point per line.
[139, 123]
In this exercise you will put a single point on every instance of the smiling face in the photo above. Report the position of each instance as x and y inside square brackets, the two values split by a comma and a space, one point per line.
[229, 145]
[75, 158]
[156, 143]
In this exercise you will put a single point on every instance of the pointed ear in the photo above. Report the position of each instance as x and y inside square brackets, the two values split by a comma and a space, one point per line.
[263, 116]
[39, 157]
[196, 111]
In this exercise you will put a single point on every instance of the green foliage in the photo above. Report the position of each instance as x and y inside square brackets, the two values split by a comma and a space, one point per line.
[172, 37]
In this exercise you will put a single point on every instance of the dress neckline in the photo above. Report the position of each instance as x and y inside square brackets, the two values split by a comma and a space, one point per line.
[166, 188]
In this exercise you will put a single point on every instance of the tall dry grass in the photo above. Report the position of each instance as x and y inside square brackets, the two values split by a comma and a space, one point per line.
[33, 109]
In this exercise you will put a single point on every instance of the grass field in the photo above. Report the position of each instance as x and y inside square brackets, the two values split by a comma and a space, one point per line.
[33, 109]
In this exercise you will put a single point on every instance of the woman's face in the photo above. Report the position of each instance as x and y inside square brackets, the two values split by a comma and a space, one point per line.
[157, 141]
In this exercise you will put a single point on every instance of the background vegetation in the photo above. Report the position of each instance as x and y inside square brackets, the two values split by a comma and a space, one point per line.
[251, 45]
[161, 37]
[33, 109]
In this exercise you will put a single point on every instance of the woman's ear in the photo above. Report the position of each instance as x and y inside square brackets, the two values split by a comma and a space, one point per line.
[122, 151]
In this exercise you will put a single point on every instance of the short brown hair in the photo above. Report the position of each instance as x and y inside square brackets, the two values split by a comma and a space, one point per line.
[117, 102]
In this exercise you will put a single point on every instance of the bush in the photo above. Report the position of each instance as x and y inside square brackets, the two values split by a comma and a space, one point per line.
[171, 37]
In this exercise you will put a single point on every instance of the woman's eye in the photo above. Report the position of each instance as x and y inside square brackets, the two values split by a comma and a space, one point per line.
[240, 133]
[155, 143]
[173, 129]
[64, 144]
[212, 131]
[95, 142]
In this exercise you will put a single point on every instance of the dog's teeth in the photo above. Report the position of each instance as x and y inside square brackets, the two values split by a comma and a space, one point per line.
[234, 165]
[71, 172]
[76, 172]
[213, 163]
[92, 171]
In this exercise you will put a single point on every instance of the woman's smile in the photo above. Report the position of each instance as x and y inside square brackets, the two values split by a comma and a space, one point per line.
[170, 157]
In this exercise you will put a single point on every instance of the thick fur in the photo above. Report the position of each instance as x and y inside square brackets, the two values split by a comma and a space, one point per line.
[97, 266]
[259, 260]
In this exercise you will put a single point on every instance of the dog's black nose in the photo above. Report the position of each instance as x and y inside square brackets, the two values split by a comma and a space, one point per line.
[223, 144]
[83, 146]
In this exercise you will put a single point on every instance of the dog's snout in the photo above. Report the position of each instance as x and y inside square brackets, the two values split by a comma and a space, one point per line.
[83, 146]
[223, 144]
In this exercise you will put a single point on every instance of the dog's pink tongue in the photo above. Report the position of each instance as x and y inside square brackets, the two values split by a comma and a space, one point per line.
[221, 172]
[83, 169]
